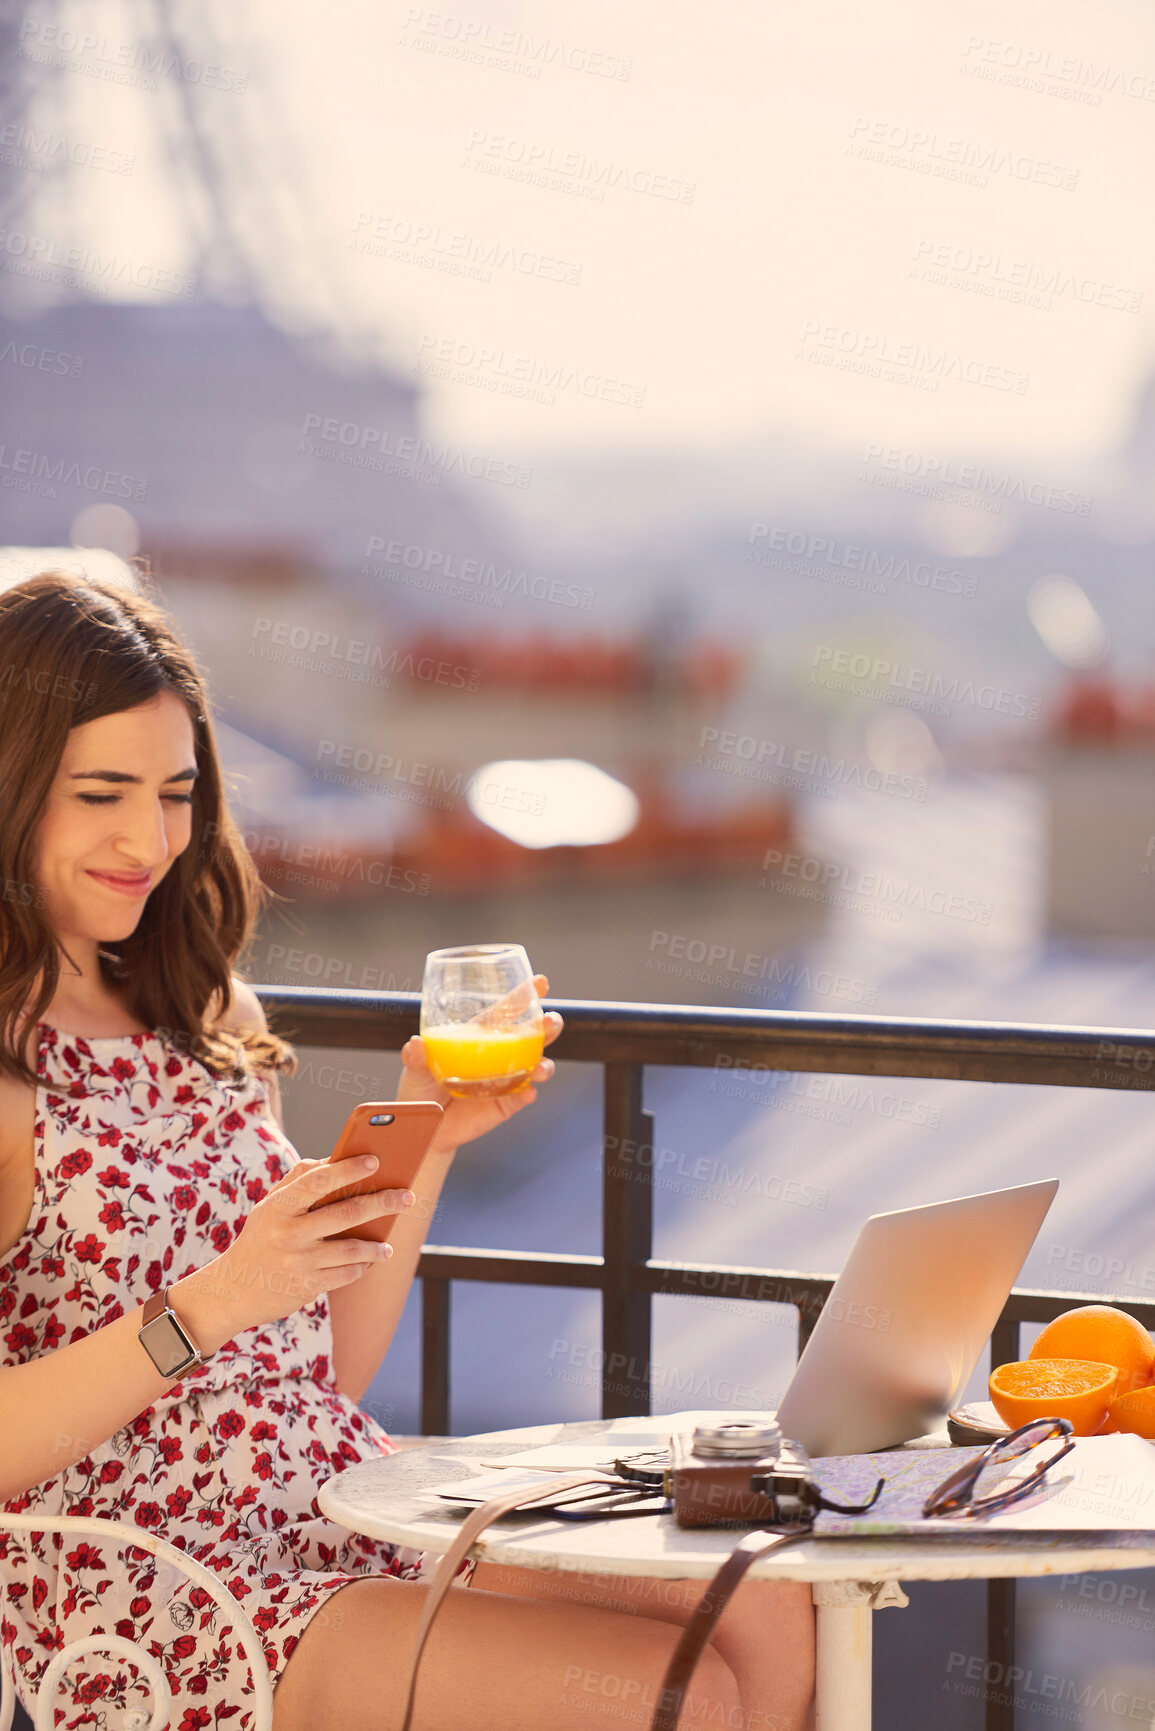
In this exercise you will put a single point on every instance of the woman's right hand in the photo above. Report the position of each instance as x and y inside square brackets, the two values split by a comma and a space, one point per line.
[281, 1259]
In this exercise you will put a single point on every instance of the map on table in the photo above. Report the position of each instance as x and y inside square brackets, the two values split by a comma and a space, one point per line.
[1106, 1482]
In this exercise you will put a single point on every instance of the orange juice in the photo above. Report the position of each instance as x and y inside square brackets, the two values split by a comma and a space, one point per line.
[472, 1060]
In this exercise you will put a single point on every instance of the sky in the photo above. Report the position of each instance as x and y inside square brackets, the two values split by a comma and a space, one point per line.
[913, 225]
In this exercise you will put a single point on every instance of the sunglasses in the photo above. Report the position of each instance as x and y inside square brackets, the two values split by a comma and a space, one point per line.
[987, 1474]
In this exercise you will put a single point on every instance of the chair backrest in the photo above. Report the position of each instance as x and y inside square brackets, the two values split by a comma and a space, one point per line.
[122, 1534]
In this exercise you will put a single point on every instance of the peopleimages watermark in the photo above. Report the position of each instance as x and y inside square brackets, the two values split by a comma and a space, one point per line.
[455, 252]
[696, 959]
[575, 1361]
[1066, 76]
[132, 63]
[372, 448]
[1110, 1601]
[962, 159]
[889, 682]
[861, 891]
[1015, 280]
[843, 562]
[1128, 1066]
[22, 146]
[1107, 1272]
[942, 478]
[336, 970]
[353, 658]
[1047, 1693]
[301, 861]
[704, 1178]
[39, 359]
[378, 769]
[436, 568]
[807, 771]
[880, 356]
[570, 171]
[46, 259]
[788, 1090]
[525, 376]
[35, 472]
[504, 50]
[631, 1699]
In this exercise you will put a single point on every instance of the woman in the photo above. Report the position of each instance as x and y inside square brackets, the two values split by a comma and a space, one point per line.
[141, 1152]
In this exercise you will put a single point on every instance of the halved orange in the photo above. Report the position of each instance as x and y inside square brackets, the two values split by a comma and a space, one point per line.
[1134, 1412]
[1077, 1389]
[1105, 1334]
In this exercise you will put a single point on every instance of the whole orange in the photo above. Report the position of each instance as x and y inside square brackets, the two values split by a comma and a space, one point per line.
[1104, 1334]
[1070, 1388]
[1134, 1412]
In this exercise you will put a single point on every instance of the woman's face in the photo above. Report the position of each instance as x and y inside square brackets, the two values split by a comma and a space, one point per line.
[116, 817]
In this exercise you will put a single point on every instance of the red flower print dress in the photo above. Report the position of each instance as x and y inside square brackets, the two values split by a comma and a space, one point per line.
[147, 1166]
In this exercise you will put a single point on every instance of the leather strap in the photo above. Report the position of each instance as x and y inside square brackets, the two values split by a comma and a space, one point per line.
[706, 1613]
[154, 1306]
[449, 1564]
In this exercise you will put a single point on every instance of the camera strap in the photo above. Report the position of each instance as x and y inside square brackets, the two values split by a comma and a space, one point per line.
[705, 1615]
[475, 1524]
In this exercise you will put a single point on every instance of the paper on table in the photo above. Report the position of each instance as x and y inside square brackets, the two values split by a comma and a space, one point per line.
[629, 1438]
[1106, 1482]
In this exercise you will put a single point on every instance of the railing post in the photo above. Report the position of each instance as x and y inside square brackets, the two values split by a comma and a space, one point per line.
[627, 1241]
[434, 1356]
[1000, 1653]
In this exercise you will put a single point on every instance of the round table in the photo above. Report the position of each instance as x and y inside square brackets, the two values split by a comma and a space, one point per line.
[390, 1499]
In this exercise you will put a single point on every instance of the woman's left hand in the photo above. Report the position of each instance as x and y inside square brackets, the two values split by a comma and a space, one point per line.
[464, 1120]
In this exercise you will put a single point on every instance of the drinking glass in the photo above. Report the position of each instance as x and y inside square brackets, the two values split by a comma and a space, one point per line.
[481, 1019]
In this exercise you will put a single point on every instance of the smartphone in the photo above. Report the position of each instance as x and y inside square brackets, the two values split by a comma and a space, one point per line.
[399, 1133]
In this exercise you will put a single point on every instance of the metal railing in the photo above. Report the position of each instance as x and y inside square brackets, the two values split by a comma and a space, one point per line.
[623, 1038]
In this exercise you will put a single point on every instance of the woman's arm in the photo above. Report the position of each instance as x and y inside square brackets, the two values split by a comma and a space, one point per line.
[364, 1320]
[365, 1315]
[57, 1408]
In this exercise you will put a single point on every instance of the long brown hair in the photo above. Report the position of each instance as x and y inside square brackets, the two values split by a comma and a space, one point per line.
[73, 649]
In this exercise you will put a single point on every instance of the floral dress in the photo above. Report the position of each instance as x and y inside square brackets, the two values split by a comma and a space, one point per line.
[147, 1166]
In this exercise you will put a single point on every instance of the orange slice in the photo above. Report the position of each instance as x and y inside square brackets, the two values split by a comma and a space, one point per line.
[1134, 1412]
[1077, 1389]
[1105, 1334]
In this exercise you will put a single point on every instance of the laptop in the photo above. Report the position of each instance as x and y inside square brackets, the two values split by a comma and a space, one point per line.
[908, 1318]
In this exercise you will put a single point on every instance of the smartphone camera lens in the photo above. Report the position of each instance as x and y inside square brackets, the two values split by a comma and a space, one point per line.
[381, 1118]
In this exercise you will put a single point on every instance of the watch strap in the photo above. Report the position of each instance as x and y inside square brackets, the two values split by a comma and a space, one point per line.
[156, 1306]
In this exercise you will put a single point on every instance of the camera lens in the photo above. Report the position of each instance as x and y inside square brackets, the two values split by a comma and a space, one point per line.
[741, 1438]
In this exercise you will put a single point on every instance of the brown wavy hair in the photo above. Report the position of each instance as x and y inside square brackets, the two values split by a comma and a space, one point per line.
[73, 649]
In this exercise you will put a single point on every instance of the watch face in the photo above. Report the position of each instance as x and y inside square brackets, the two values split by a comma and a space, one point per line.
[167, 1346]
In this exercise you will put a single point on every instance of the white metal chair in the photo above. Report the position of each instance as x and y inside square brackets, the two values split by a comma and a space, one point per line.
[135, 1718]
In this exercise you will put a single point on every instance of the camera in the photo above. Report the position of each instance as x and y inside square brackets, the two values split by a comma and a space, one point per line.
[739, 1473]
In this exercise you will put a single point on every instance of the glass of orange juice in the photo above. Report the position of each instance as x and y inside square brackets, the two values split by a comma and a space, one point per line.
[481, 1019]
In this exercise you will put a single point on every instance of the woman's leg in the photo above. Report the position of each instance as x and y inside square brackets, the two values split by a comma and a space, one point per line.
[765, 1635]
[492, 1663]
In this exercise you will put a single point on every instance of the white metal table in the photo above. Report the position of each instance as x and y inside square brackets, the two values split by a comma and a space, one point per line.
[389, 1499]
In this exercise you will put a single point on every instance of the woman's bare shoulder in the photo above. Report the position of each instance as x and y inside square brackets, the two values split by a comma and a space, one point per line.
[17, 1116]
[245, 1010]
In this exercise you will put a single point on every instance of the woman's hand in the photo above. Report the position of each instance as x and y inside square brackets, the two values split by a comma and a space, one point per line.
[282, 1259]
[463, 1120]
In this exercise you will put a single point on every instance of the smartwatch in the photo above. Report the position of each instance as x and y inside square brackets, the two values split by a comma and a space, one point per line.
[165, 1339]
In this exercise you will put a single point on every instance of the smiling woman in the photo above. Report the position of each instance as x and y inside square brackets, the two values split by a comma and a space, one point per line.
[98, 816]
[185, 1327]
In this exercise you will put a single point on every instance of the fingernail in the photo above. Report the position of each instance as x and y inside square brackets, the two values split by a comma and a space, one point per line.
[409, 1199]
